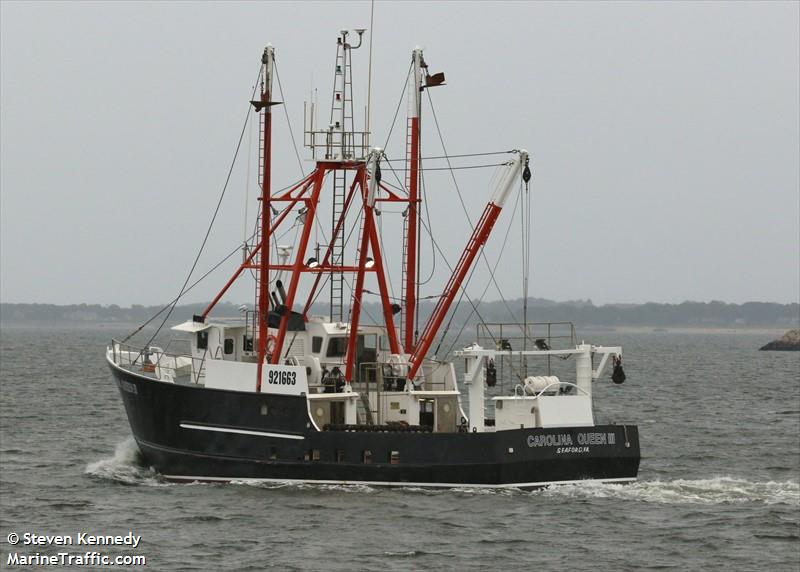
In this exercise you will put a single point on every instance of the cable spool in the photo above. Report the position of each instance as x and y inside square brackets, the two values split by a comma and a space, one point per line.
[547, 384]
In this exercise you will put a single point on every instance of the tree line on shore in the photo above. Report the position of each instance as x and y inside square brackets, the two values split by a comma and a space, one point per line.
[580, 312]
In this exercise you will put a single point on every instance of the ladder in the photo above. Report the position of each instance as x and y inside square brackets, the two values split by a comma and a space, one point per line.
[337, 246]
[363, 408]
[257, 238]
[342, 145]
[406, 217]
[348, 137]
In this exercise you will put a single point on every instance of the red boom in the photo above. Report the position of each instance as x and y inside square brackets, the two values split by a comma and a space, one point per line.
[476, 241]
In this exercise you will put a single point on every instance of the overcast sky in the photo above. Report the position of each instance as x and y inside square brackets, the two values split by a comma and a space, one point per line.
[665, 140]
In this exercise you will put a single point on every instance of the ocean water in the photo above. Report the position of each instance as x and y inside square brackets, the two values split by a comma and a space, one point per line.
[719, 485]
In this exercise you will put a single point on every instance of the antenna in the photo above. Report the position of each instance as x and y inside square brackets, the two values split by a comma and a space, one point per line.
[369, 68]
[340, 141]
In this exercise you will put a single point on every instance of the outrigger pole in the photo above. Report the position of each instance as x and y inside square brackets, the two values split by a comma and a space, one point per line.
[512, 172]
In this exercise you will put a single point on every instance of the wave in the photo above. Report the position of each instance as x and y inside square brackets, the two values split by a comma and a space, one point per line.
[291, 485]
[717, 490]
[125, 467]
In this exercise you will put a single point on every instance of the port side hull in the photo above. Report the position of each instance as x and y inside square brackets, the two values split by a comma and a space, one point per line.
[188, 432]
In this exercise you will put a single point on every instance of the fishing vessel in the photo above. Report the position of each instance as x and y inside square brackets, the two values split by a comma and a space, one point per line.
[284, 394]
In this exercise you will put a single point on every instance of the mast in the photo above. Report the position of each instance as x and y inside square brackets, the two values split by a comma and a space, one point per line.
[262, 281]
[342, 149]
[412, 216]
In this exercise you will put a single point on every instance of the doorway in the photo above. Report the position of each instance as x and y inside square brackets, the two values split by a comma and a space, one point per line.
[427, 408]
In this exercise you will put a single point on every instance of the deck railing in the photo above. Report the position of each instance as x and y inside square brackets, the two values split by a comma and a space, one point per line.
[530, 336]
[158, 363]
[509, 335]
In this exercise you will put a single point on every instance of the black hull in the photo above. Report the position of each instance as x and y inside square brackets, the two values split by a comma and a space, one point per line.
[190, 433]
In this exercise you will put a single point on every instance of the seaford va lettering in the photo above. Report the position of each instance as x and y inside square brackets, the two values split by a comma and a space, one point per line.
[563, 439]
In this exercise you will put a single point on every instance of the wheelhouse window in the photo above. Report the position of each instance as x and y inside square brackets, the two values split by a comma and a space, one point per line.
[316, 344]
[315, 454]
[337, 347]
[202, 340]
[228, 346]
[370, 341]
[394, 458]
[366, 456]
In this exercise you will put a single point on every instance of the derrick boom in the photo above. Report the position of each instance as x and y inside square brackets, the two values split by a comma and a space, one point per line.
[476, 241]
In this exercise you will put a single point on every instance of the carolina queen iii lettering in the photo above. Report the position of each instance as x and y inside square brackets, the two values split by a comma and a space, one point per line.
[566, 440]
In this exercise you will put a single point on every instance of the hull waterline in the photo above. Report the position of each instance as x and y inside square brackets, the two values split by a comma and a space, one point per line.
[192, 433]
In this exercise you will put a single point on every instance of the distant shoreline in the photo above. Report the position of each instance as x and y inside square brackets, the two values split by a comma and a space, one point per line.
[127, 327]
[687, 317]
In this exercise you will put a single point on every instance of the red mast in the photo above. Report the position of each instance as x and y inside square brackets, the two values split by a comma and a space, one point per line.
[345, 149]
[412, 216]
[262, 282]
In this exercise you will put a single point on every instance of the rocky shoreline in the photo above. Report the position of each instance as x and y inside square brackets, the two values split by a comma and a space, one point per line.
[790, 341]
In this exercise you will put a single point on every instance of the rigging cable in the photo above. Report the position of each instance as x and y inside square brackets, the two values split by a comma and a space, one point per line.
[210, 225]
[462, 285]
[399, 104]
[383, 250]
[451, 168]
[188, 289]
[464, 207]
[289, 123]
[363, 308]
[433, 252]
[488, 283]
[325, 238]
[469, 155]
[394, 172]
[247, 185]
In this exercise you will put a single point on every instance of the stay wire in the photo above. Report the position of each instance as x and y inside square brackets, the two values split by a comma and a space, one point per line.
[428, 216]
[462, 285]
[489, 282]
[394, 172]
[450, 168]
[289, 123]
[399, 104]
[210, 225]
[344, 246]
[469, 155]
[466, 213]
[189, 288]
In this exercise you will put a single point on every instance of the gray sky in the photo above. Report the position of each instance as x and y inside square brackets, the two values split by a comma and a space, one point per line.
[665, 139]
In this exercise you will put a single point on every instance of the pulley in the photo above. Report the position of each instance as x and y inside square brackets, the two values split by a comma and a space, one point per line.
[618, 374]
[526, 173]
[491, 373]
